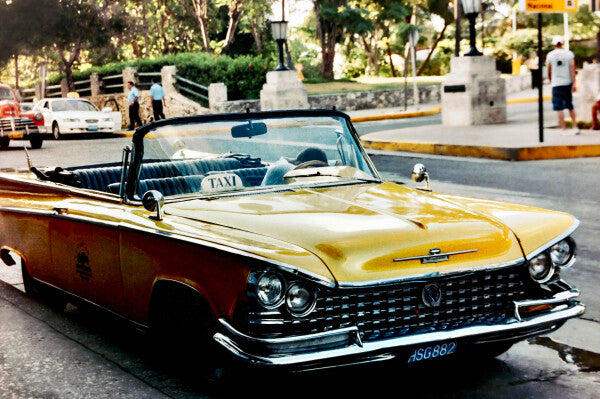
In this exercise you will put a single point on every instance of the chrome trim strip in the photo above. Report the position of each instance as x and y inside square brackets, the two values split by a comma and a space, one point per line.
[434, 255]
[287, 340]
[22, 211]
[368, 348]
[550, 243]
[426, 276]
[561, 297]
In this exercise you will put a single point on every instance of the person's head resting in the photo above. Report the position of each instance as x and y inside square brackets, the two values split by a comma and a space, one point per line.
[558, 41]
[311, 154]
[130, 84]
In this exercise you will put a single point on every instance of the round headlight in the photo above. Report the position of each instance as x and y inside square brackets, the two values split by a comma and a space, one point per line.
[38, 116]
[561, 253]
[269, 290]
[300, 300]
[541, 268]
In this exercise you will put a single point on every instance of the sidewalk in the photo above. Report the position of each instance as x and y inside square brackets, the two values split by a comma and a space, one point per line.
[518, 139]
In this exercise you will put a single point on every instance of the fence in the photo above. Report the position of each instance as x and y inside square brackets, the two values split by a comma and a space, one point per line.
[144, 79]
[53, 91]
[83, 87]
[192, 89]
[109, 86]
[28, 95]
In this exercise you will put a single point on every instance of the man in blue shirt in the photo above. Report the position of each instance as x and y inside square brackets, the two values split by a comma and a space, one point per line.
[134, 105]
[158, 99]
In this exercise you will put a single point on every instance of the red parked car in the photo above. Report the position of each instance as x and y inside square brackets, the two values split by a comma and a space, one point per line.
[15, 124]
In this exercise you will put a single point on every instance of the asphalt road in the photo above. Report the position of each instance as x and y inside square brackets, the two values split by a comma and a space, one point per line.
[78, 352]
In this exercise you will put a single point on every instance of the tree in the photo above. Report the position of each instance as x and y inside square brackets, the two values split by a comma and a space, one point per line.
[200, 11]
[81, 25]
[438, 7]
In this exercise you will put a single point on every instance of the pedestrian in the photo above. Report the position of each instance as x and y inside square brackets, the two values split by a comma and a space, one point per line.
[158, 100]
[134, 105]
[595, 109]
[533, 64]
[561, 72]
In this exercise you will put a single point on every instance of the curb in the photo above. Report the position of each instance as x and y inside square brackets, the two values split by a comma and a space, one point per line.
[402, 115]
[500, 153]
[527, 100]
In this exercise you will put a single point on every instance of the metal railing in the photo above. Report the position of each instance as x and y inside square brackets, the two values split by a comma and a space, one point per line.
[83, 87]
[109, 86]
[144, 79]
[28, 95]
[192, 89]
[53, 91]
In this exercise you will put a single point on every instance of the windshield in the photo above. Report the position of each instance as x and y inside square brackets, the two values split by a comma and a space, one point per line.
[6, 94]
[253, 154]
[73, 105]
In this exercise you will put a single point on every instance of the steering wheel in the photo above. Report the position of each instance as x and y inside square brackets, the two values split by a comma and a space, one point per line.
[311, 164]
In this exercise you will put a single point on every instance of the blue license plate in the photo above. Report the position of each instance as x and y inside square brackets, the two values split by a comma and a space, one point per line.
[432, 352]
[92, 128]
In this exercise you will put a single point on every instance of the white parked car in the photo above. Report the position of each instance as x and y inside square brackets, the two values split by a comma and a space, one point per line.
[77, 115]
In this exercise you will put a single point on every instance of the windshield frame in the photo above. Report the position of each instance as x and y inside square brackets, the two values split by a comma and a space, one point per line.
[137, 153]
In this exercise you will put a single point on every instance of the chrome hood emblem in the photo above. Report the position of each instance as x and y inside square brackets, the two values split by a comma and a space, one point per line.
[435, 256]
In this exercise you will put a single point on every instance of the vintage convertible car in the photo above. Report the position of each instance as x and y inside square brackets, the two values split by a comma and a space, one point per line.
[272, 237]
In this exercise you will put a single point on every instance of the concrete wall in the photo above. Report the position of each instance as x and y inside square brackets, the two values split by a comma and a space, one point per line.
[374, 99]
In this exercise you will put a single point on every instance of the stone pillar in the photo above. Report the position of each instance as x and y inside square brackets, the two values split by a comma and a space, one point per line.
[64, 87]
[38, 91]
[588, 89]
[473, 93]
[95, 84]
[283, 90]
[217, 96]
[129, 75]
[167, 79]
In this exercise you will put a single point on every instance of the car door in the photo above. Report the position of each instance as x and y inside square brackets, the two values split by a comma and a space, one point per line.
[85, 242]
[47, 113]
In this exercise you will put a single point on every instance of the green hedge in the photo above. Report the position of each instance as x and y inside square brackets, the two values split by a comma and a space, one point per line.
[244, 76]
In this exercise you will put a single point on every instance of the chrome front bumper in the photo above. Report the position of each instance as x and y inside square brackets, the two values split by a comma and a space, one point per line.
[344, 346]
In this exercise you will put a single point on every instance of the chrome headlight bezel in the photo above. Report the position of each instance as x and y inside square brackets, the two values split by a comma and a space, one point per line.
[289, 284]
[310, 304]
[261, 284]
[555, 261]
[571, 255]
[545, 261]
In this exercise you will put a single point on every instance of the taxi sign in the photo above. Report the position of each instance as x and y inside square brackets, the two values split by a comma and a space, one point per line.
[548, 6]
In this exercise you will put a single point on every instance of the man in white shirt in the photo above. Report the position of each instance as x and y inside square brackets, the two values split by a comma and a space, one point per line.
[561, 71]
[158, 100]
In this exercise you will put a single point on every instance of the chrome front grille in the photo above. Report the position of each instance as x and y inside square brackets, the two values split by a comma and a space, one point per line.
[398, 310]
[16, 123]
[91, 120]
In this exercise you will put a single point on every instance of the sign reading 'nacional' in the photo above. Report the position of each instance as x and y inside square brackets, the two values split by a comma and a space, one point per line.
[548, 5]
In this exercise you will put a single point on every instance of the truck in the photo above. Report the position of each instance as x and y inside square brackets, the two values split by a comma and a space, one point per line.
[16, 124]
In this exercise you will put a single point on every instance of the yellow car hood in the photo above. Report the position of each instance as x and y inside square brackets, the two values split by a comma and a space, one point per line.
[363, 233]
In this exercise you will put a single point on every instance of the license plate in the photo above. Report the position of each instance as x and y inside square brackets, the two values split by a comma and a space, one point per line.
[432, 352]
[92, 128]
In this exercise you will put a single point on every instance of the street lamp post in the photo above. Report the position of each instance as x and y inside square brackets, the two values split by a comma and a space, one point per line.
[280, 35]
[471, 9]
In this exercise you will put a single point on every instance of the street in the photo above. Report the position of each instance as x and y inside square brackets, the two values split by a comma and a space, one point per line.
[80, 352]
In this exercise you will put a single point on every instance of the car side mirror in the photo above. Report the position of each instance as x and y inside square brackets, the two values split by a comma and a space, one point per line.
[107, 109]
[419, 173]
[154, 200]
